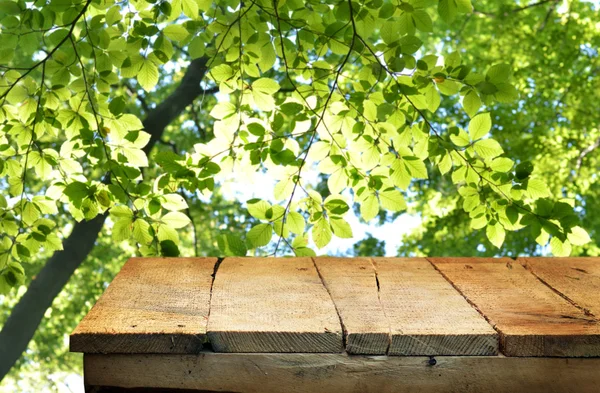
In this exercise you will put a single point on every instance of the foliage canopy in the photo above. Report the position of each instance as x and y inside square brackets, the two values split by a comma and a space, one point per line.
[344, 86]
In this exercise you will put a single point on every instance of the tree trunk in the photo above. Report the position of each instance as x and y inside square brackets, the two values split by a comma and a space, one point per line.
[29, 311]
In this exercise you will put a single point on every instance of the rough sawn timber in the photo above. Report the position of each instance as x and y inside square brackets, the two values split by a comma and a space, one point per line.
[340, 373]
[426, 314]
[575, 278]
[352, 284]
[154, 305]
[272, 305]
[532, 319]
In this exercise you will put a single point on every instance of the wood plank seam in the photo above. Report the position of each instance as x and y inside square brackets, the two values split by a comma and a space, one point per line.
[466, 298]
[344, 330]
[212, 284]
[387, 350]
[264, 305]
[586, 311]
[427, 315]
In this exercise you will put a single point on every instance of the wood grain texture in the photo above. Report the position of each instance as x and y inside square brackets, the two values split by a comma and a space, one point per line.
[352, 284]
[154, 305]
[272, 305]
[575, 278]
[115, 389]
[531, 318]
[339, 373]
[426, 314]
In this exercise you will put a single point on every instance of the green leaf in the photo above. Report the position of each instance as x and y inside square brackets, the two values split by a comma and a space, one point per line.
[341, 228]
[30, 213]
[537, 189]
[523, 170]
[499, 73]
[176, 32]
[260, 235]
[480, 125]
[141, 231]
[300, 241]
[190, 8]
[135, 157]
[471, 103]
[445, 164]
[560, 248]
[122, 230]
[76, 191]
[422, 20]
[464, 6]
[221, 72]
[175, 220]
[117, 105]
[265, 86]
[121, 211]
[130, 122]
[223, 110]
[23, 252]
[231, 245]
[460, 138]
[336, 206]
[416, 167]
[578, 236]
[304, 252]
[196, 47]
[495, 234]
[148, 75]
[165, 232]
[321, 233]
[369, 208]
[488, 148]
[173, 202]
[10, 7]
[506, 93]
[392, 200]
[502, 164]
[337, 181]
[447, 10]
[264, 102]
[295, 222]
[258, 208]
[113, 15]
[168, 248]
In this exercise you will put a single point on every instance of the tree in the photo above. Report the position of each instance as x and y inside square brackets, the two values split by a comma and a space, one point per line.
[346, 88]
[549, 45]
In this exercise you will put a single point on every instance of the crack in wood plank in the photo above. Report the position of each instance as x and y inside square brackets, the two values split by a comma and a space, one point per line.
[532, 319]
[586, 311]
[493, 325]
[208, 344]
[387, 349]
[344, 330]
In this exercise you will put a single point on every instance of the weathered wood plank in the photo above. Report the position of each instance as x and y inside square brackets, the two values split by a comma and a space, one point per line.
[272, 305]
[531, 318]
[576, 278]
[316, 373]
[116, 389]
[426, 314]
[154, 305]
[352, 284]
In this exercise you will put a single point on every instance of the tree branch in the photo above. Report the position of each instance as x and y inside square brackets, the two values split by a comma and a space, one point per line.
[515, 10]
[584, 153]
[29, 311]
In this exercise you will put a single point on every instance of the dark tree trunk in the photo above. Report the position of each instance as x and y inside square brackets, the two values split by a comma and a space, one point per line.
[29, 311]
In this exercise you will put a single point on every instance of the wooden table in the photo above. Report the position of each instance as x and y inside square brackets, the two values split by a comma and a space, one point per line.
[345, 325]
